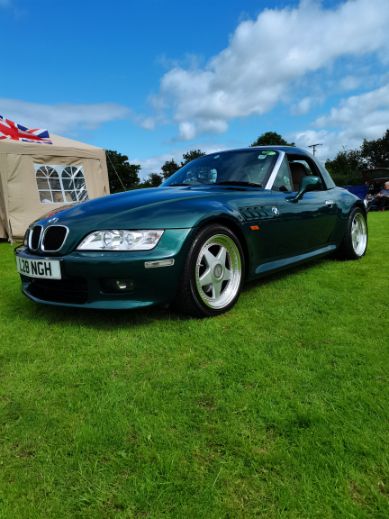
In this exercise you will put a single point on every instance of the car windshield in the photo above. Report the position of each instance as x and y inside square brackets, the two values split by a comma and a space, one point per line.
[245, 168]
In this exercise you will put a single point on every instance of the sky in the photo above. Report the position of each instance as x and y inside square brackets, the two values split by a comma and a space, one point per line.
[153, 79]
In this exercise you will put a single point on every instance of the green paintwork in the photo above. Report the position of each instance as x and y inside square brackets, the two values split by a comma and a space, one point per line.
[290, 232]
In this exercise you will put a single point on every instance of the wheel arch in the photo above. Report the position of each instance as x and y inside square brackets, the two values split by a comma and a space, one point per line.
[344, 215]
[236, 228]
[345, 249]
[360, 205]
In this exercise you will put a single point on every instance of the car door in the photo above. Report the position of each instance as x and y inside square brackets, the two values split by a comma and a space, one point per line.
[315, 214]
[290, 229]
[278, 237]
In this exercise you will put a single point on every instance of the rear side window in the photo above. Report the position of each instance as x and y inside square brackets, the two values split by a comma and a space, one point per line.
[300, 167]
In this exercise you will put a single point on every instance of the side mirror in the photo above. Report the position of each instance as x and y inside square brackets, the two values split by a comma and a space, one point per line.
[308, 183]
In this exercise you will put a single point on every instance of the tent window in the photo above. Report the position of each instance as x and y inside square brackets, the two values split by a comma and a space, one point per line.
[60, 184]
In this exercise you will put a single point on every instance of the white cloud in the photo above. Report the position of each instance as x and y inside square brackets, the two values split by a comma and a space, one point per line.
[148, 123]
[266, 56]
[364, 115]
[187, 130]
[154, 164]
[350, 82]
[304, 105]
[354, 119]
[62, 118]
[329, 143]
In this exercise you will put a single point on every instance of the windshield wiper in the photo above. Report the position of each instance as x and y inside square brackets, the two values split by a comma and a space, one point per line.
[237, 183]
[178, 184]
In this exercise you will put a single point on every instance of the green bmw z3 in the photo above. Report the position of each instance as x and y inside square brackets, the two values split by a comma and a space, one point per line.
[219, 221]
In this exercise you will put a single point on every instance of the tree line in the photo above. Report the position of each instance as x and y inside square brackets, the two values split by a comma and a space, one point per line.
[345, 168]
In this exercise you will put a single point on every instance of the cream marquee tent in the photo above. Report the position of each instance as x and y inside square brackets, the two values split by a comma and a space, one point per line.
[36, 178]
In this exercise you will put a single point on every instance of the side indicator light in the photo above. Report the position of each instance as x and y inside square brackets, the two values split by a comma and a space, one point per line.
[159, 263]
[255, 228]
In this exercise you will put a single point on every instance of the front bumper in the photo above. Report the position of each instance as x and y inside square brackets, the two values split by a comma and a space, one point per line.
[88, 279]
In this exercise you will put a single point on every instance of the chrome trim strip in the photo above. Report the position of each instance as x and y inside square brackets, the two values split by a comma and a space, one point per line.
[44, 234]
[31, 230]
[277, 165]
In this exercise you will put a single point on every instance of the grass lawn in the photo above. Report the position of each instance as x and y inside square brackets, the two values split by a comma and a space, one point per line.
[279, 408]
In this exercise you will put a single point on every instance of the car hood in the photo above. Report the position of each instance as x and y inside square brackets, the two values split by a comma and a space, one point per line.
[170, 207]
[119, 207]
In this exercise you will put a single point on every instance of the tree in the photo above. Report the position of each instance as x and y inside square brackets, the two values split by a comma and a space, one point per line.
[346, 167]
[271, 139]
[169, 168]
[376, 152]
[191, 155]
[153, 180]
[121, 174]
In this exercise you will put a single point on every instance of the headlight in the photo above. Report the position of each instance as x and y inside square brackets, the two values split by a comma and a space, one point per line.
[121, 240]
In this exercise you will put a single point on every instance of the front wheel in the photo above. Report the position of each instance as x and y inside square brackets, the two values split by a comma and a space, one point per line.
[354, 243]
[213, 273]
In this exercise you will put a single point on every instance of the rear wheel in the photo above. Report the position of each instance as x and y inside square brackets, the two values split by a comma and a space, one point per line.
[354, 243]
[213, 273]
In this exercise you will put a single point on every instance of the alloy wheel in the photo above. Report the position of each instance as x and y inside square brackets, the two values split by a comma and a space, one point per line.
[218, 271]
[359, 234]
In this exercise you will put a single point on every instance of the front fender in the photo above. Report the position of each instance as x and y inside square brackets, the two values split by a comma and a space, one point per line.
[184, 214]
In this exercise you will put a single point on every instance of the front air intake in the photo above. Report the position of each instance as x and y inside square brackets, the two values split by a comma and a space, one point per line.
[34, 237]
[54, 237]
[72, 291]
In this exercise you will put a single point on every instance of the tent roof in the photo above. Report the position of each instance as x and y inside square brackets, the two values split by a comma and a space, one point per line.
[57, 140]
[60, 145]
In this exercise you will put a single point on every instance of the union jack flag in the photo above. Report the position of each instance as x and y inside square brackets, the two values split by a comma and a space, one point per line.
[16, 132]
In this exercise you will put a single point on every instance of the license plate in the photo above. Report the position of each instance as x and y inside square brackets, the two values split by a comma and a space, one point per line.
[42, 268]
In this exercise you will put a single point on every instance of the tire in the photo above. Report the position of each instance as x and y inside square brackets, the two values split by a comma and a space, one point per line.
[355, 240]
[216, 256]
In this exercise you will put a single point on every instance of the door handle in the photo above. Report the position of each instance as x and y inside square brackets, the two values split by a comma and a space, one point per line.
[329, 203]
